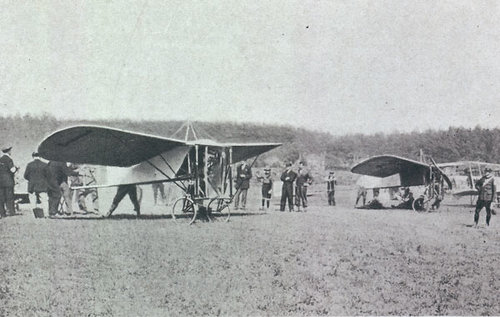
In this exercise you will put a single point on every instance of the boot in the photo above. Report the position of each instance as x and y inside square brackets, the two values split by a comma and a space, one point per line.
[111, 209]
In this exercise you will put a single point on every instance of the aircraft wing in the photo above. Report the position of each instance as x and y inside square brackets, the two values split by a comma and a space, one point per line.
[245, 151]
[241, 151]
[387, 165]
[411, 173]
[466, 192]
[103, 146]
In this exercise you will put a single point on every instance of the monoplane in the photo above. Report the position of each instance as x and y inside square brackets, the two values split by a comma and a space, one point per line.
[465, 174]
[201, 168]
[430, 177]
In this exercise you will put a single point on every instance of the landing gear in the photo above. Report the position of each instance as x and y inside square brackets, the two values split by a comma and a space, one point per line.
[184, 210]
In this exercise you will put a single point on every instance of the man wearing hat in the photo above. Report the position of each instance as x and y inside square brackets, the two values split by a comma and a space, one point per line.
[267, 188]
[331, 181]
[243, 175]
[7, 171]
[288, 177]
[487, 194]
[37, 175]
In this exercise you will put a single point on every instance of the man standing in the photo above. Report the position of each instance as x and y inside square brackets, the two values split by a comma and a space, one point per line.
[487, 194]
[61, 172]
[288, 177]
[37, 175]
[7, 171]
[303, 180]
[123, 190]
[243, 175]
[267, 188]
[85, 178]
[362, 192]
[159, 187]
[331, 181]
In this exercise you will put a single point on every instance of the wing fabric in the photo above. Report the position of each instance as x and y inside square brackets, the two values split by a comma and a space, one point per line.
[103, 146]
[241, 151]
[245, 151]
[412, 173]
[387, 165]
[469, 192]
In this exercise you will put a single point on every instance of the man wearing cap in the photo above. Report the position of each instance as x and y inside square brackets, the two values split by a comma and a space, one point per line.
[487, 194]
[267, 188]
[7, 171]
[243, 175]
[331, 181]
[37, 175]
[288, 177]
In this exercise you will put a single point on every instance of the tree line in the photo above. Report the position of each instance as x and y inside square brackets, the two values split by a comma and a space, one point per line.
[337, 152]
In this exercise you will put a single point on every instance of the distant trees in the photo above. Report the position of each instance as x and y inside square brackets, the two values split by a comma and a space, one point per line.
[336, 152]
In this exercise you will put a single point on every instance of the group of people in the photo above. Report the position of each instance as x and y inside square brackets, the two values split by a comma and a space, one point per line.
[49, 185]
[49, 179]
[293, 183]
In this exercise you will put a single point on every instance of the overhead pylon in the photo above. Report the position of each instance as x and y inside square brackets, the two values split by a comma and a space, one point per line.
[187, 132]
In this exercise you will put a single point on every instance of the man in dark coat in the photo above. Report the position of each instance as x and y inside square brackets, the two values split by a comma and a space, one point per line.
[487, 194]
[331, 181]
[61, 171]
[7, 171]
[303, 180]
[37, 175]
[121, 192]
[243, 175]
[288, 177]
[267, 188]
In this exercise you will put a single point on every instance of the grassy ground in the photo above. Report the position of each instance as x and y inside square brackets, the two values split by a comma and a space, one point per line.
[330, 260]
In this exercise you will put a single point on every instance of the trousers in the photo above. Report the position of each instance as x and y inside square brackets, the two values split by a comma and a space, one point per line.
[286, 195]
[7, 201]
[479, 206]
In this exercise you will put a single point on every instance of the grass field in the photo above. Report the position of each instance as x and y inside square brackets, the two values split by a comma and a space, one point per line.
[328, 261]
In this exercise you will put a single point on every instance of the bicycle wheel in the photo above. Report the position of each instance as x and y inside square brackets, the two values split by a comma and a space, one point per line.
[218, 209]
[421, 204]
[184, 209]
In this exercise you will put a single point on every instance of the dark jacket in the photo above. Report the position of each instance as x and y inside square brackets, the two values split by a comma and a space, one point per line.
[6, 175]
[303, 178]
[37, 175]
[60, 171]
[288, 178]
[243, 175]
[330, 183]
[487, 188]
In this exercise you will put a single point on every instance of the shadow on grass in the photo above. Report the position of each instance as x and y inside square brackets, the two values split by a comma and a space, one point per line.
[155, 217]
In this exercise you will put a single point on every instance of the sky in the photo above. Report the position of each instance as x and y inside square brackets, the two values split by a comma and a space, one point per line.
[335, 66]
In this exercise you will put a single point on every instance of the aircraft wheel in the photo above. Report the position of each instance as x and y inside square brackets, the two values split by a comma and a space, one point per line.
[421, 204]
[184, 210]
[218, 209]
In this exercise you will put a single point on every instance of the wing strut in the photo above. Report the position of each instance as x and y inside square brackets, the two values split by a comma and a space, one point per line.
[148, 161]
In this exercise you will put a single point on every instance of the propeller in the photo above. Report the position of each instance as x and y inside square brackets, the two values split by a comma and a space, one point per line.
[445, 177]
